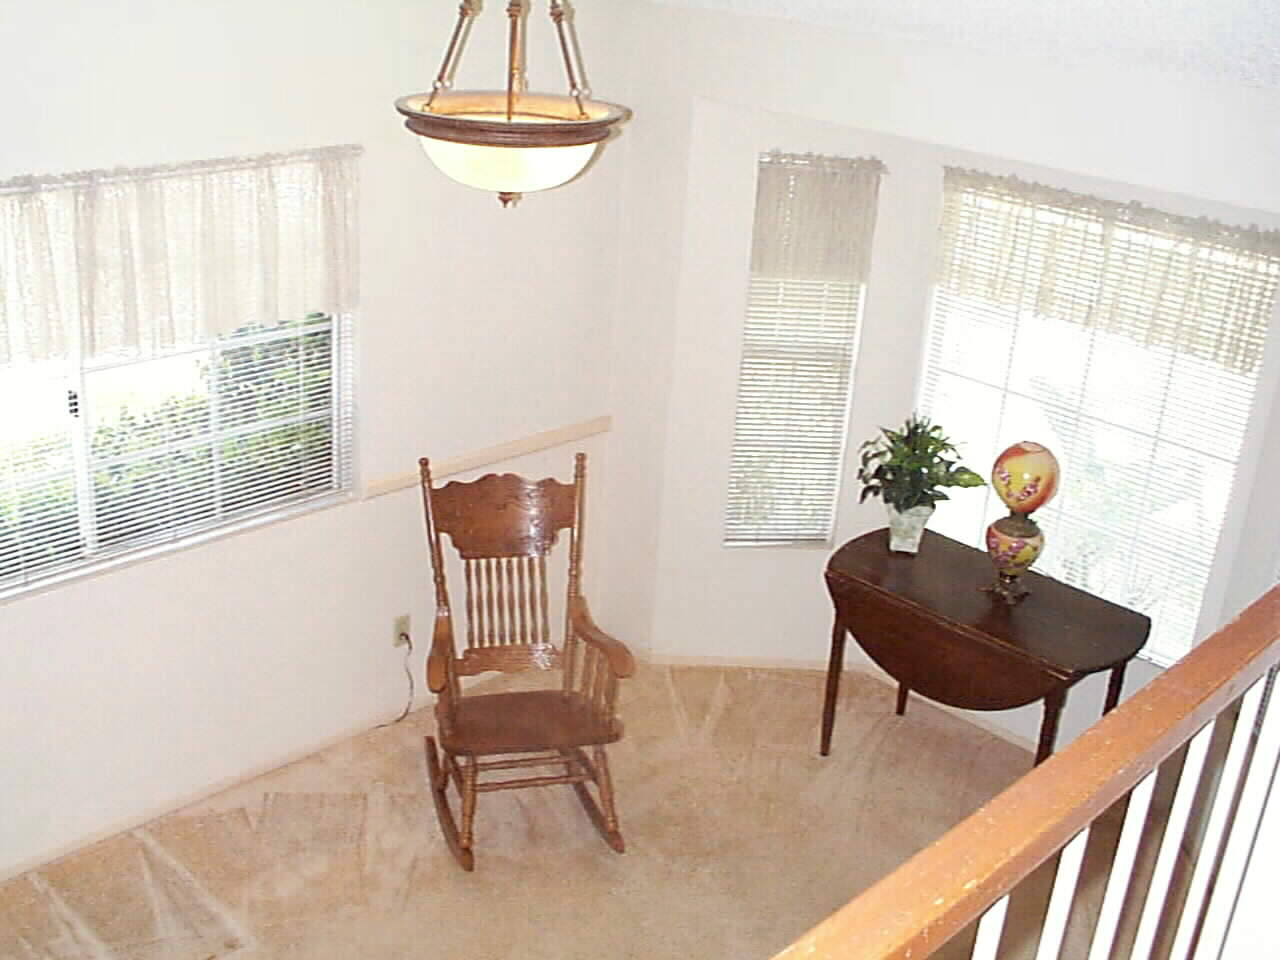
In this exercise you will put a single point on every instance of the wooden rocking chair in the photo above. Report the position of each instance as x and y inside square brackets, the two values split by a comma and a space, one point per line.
[503, 528]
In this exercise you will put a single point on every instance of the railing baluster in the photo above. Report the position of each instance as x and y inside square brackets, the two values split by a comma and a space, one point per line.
[987, 942]
[1258, 779]
[1223, 799]
[1135, 820]
[1188, 785]
[1064, 891]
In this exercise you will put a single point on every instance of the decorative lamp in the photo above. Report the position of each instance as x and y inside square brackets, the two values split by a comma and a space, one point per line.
[511, 141]
[1025, 477]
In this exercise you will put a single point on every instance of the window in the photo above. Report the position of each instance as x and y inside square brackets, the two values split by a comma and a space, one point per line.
[1129, 342]
[811, 245]
[178, 343]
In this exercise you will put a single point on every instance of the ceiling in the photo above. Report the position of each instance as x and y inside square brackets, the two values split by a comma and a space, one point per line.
[1237, 41]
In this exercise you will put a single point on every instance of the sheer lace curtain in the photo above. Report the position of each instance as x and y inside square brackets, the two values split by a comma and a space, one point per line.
[1193, 285]
[798, 234]
[132, 262]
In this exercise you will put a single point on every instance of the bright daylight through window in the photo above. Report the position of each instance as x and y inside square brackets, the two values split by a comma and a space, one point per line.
[1130, 343]
[810, 249]
[178, 343]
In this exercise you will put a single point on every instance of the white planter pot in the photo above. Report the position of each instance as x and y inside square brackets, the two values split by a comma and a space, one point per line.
[906, 528]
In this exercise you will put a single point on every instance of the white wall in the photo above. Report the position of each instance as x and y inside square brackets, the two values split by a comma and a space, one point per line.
[124, 693]
[728, 86]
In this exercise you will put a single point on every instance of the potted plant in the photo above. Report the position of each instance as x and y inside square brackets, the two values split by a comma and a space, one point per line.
[908, 468]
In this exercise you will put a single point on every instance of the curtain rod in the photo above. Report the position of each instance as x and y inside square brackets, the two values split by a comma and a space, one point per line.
[81, 178]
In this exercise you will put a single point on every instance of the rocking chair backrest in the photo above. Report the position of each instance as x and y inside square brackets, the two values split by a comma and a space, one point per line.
[503, 527]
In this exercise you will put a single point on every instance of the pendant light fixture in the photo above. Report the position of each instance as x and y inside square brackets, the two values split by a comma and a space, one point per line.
[511, 141]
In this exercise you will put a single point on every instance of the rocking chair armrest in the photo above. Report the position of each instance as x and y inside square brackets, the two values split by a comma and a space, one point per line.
[441, 656]
[621, 663]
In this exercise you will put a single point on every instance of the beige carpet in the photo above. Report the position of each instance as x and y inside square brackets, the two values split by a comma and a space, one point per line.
[739, 838]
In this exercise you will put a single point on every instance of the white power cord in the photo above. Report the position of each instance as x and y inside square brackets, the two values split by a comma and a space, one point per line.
[408, 642]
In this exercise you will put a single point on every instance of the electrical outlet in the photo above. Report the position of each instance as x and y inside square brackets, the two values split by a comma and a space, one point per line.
[400, 630]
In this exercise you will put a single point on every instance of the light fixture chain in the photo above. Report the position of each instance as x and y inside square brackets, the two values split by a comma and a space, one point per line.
[562, 16]
[515, 55]
[467, 11]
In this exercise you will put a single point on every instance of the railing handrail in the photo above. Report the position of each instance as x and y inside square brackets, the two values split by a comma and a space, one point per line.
[943, 888]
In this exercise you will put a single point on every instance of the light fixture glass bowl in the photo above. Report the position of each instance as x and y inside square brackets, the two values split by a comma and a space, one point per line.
[547, 141]
[508, 169]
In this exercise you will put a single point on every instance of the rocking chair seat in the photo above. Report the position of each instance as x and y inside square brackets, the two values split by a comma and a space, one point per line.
[526, 722]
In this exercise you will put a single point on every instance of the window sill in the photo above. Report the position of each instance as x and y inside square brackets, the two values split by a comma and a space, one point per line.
[159, 550]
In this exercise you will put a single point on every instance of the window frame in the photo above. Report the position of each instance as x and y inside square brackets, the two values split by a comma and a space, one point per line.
[1232, 536]
[271, 477]
[97, 558]
[796, 256]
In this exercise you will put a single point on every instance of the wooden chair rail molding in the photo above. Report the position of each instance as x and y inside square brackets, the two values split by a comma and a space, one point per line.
[934, 895]
[500, 453]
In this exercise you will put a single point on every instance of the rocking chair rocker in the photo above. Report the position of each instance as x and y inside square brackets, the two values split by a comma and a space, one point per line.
[503, 528]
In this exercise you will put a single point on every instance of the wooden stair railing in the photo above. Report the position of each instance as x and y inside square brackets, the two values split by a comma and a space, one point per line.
[1197, 730]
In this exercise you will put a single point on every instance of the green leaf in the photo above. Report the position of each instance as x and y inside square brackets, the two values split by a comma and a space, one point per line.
[964, 477]
[908, 467]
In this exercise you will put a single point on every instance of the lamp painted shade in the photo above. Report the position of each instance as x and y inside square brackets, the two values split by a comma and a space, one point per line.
[1025, 476]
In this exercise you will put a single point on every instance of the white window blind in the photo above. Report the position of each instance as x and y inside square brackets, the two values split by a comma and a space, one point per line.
[178, 340]
[811, 244]
[1128, 341]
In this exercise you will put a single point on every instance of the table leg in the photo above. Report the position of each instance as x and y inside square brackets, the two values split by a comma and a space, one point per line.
[1049, 726]
[834, 666]
[1114, 688]
[903, 690]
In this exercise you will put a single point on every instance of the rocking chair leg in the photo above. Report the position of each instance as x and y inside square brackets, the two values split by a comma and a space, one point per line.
[606, 820]
[468, 788]
[605, 783]
[439, 795]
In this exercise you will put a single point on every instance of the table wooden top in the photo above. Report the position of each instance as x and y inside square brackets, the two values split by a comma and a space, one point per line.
[1056, 625]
